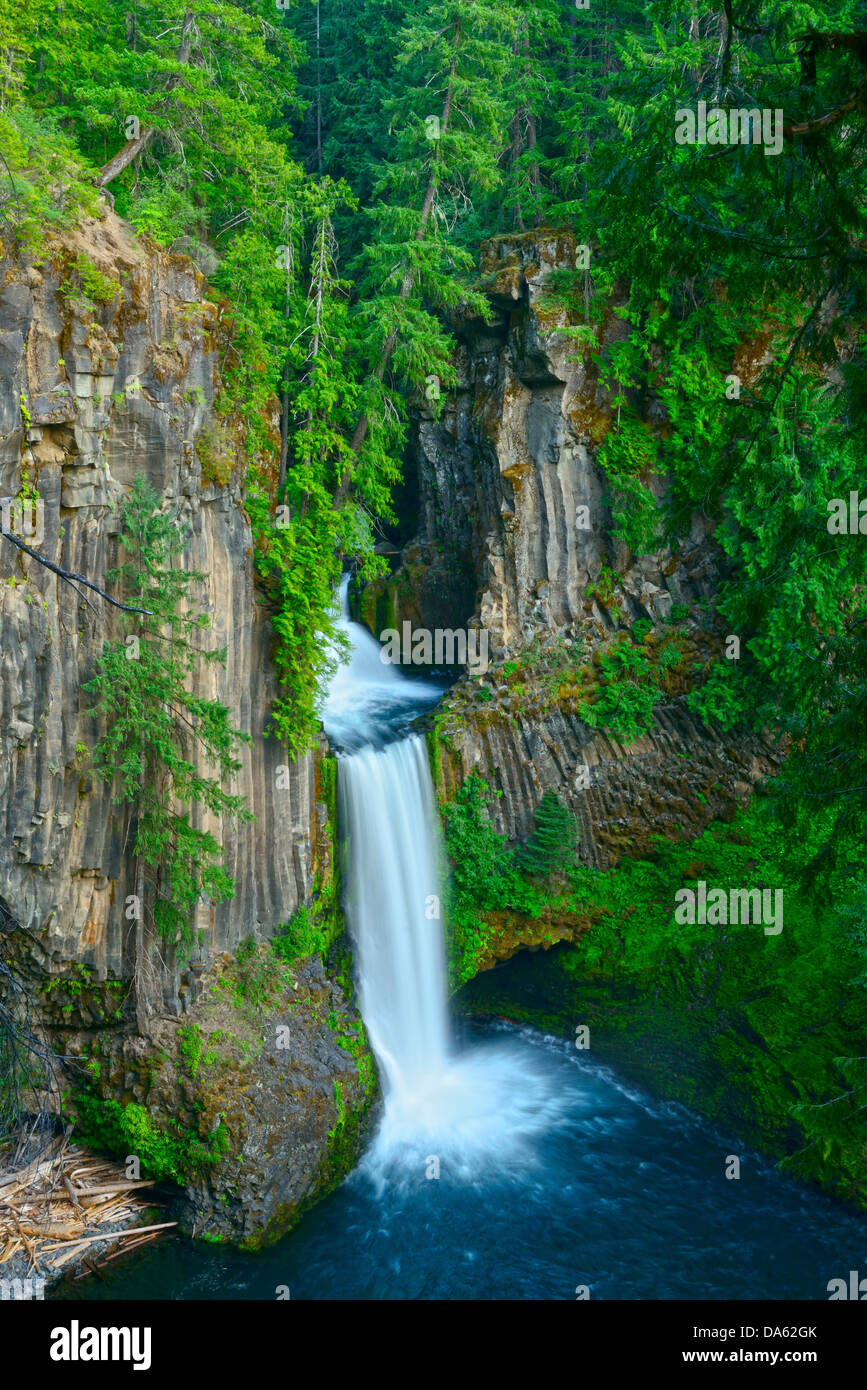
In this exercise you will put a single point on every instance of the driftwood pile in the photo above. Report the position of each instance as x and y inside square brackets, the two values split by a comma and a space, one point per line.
[66, 1201]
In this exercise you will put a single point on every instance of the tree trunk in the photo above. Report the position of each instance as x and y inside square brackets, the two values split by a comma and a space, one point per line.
[134, 147]
[318, 94]
[125, 157]
[532, 140]
[514, 155]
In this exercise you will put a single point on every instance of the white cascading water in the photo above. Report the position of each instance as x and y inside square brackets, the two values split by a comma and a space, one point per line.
[484, 1103]
[387, 817]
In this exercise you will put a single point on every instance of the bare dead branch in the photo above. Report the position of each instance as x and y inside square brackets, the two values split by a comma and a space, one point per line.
[71, 578]
[125, 156]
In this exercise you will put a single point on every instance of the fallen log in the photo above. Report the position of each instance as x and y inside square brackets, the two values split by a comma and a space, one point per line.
[43, 1161]
[58, 1228]
[119, 1235]
[116, 1187]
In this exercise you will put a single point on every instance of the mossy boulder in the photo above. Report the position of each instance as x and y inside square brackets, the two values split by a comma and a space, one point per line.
[253, 1105]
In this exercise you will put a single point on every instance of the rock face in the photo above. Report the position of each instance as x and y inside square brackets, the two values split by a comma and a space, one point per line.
[516, 537]
[504, 472]
[671, 781]
[92, 394]
[253, 1102]
[109, 366]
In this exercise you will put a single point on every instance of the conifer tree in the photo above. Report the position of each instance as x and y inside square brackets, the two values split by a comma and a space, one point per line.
[450, 122]
[156, 731]
[554, 843]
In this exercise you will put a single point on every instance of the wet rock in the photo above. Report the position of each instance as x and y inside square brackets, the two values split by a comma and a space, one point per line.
[502, 473]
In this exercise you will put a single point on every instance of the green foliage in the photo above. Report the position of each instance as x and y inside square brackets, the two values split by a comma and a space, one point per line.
[626, 695]
[211, 86]
[548, 664]
[154, 721]
[190, 1045]
[341, 1106]
[164, 1149]
[302, 936]
[669, 655]
[604, 585]
[485, 876]
[216, 455]
[628, 456]
[737, 263]
[87, 284]
[352, 1038]
[255, 978]
[44, 183]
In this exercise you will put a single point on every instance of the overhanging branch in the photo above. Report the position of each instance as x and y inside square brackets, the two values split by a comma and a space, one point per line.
[71, 578]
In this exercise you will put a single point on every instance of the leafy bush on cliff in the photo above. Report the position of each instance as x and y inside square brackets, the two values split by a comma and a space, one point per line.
[486, 875]
[626, 695]
[303, 935]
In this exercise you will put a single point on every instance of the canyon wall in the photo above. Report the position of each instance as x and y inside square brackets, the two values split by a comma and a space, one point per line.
[92, 394]
[109, 366]
[516, 537]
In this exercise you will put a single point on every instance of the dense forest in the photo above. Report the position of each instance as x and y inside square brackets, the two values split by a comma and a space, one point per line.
[334, 169]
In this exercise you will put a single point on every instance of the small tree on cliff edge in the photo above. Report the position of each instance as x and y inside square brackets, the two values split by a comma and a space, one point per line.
[154, 729]
[553, 845]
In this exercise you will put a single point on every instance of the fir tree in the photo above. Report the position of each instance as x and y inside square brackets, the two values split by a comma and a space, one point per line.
[553, 846]
[156, 733]
[450, 121]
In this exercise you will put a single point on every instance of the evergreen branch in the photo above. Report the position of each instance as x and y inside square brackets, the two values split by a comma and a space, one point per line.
[363, 425]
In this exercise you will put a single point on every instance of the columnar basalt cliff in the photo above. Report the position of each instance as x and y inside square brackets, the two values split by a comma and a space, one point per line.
[90, 397]
[516, 537]
[512, 457]
[93, 392]
[628, 795]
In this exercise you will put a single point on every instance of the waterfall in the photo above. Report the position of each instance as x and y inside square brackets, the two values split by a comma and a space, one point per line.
[388, 820]
[483, 1104]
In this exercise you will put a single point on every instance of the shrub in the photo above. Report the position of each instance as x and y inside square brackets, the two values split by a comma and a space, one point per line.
[627, 694]
[302, 936]
[173, 1152]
